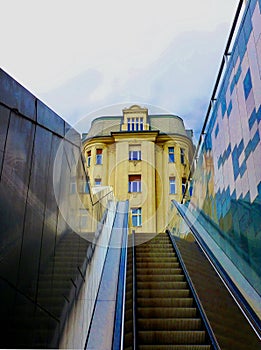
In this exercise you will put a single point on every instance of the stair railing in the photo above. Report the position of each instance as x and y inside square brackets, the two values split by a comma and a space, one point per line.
[134, 292]
[204, 318]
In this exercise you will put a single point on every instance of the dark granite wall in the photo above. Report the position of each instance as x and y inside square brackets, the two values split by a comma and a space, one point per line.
[31, 223]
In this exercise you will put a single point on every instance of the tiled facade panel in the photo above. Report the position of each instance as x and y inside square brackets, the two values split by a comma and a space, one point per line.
[232, 145]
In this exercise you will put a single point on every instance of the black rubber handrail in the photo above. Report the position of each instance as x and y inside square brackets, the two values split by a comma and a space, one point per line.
[134, 292]
[204, 318]
[118, 333]
[249, 313]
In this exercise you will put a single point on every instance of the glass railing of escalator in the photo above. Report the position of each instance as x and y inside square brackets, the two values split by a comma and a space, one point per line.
[186, 225]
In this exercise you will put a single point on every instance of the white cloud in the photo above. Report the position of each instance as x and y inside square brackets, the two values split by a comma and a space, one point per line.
[80, 55]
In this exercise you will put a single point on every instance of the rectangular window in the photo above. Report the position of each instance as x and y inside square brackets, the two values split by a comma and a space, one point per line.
[135, 155]
[136, 217]
[172, 185]
[98, 156]
[141, 124]
[132, 124]
[134, 152]
[135, 124]
[182, 156]
[184, 181]
[171, 155]
[89, 153]
[134, 183]
[97, 182]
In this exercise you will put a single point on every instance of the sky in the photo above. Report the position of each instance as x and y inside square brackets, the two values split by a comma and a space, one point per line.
[89, 58]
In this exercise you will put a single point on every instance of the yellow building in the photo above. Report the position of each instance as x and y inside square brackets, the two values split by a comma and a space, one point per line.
[144, 158]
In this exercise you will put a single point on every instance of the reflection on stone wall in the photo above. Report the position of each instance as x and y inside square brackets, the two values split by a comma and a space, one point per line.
[39, 208]
[227, 181]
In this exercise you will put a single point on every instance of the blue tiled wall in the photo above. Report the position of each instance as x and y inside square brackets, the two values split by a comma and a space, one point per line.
[227, 180]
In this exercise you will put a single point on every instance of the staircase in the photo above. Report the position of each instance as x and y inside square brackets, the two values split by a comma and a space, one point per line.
[167, 317]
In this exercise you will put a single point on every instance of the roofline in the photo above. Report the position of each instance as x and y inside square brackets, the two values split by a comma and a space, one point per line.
[149, 115]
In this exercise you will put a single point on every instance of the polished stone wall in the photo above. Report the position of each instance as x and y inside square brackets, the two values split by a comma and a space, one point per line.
[39, 160]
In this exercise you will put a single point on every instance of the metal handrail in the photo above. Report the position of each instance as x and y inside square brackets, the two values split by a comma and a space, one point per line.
[207, 325]
[134, 297]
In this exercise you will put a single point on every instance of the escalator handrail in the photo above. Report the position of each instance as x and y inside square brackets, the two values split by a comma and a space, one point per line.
[118, 333]
[134, 290]
[207, 325]
[246, 309]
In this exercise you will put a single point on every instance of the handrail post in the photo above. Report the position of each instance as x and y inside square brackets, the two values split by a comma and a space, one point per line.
[134, 297]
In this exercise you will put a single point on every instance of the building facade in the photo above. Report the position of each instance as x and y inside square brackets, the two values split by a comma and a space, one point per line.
[144, 158]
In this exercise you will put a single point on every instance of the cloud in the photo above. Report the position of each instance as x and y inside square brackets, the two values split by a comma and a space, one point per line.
[179, 81]
[70, 100]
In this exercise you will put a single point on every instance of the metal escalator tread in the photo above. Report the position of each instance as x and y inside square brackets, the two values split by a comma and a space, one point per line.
[228, 323]
[166, 314]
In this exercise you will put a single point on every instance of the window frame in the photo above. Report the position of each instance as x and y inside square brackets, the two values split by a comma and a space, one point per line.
[99, 156]
[182, 156]
[89, 157]
[183, 185]
[171, 154]
[172, 185]
[131, 155]
[134, 186]
[98, 179]
[136, 217]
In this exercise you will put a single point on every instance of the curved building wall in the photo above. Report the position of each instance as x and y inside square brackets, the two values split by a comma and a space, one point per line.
[148, 166]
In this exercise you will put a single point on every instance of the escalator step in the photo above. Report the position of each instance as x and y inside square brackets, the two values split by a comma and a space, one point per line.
[159, 265]
[160, 278]
[165, 302]
[174, 347]
[156, 259]
[160, 312]
[170, 324]
[156, 271]
[154, 293]
[162, 285]
[172, 337]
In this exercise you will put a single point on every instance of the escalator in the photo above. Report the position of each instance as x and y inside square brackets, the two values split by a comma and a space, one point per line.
[164, 310]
